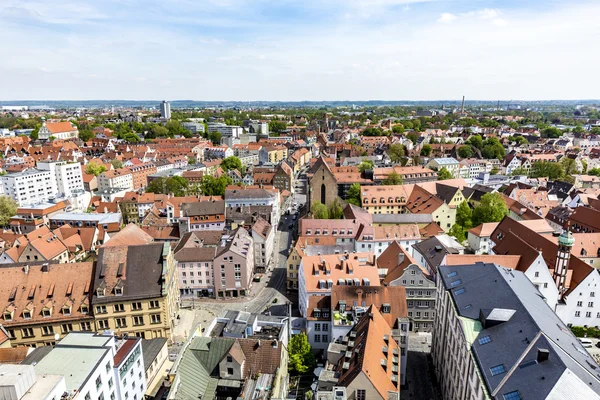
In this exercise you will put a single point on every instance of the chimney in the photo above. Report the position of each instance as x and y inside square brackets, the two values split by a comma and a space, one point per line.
[542, 355]
[26, 269]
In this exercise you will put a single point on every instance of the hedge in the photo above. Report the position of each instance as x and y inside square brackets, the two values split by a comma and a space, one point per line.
[590, 332]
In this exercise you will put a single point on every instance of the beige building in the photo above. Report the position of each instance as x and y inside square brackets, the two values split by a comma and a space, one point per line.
[41, 301]
[136, 290]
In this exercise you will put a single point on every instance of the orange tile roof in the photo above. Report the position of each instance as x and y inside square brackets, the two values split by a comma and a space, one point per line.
[507, 261]
[128, 236]
[335, 266]
[58, 127]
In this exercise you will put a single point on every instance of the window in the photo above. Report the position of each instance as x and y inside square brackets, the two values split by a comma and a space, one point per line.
[28, 332]
[138, 320]
[497, 370]
[577, 314]
[361, 394]
[325, 338]
[537, 274]
[136, 306]
[485, 339]
[229, 371]
[317, 338]
[153, 303]
[107, 371]
[98, 382]
[155, 318]
[459, 291]
[88, 396]
[579, 303]
[455, 283]
[229, 359]
[317, 327]
[102, 324]
[512, 395]
[100, 309]
[588, 314]
[48, 330]
[119, 307]
[120, 322]
[66, 328]
[591, 304]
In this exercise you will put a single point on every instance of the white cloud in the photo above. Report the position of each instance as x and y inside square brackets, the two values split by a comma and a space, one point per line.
[446, 17]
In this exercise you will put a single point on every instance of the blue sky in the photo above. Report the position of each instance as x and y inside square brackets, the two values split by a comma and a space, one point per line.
[299, 49]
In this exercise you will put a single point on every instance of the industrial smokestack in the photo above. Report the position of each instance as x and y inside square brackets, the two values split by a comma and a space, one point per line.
[462, 107]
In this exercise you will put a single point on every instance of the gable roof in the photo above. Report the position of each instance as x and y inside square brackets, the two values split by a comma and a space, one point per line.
[130, 235]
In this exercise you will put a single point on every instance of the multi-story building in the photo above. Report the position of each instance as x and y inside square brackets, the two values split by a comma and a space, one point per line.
[121, 178]
[68, 176]
[430, 252]
[366, 365]
[42, 301]
[139, 174]
[107, 223]
[283, 178]
[165, 110]
[96, 366]
[317, 276]
[495, 337]
[21, 382]
[451, 164]
[58, 130]
[136, 290]
[230, 135]
[30, 186]
[193, 127]
[194, 255]
[407, 174]
[254, 196]
[263, 236]
[234, 264]
[28, 219]
[206, 215]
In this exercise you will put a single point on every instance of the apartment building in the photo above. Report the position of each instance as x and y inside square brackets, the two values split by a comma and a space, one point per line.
[30, 186]
[96, 366]
[68, 176]
[194, 254]
[317, 276]
[451, 164]
[121, 178]
[39, 301]
[234, 264]
[408, 174]
[28, 219]
[207, 214]
[139, 174]
[108, 224]
[263, 236]
[236, 196]
[495, 337]
[135, 290]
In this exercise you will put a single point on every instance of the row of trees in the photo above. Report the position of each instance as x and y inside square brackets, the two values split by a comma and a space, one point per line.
[562, 170]
[321, 211]
[491, 208]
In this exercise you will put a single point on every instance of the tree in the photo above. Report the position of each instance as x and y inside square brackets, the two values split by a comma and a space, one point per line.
[277, 126]
[594, 172]
[398, 128]
[132, 138]
[353, 195]
[51, 138]
[465, 152]
[520, 140]
[547, 169]
[493, 149]
[319, 211]
[335, 209]
[34, 135]
[8, 208]
[374, 131]
[301, 357]
[175, 185]
[551, 132]
[444, 174]
[413, 137]
[94, 169]
[393, 178]
[231, 163]
[584, 165]
[494, 170]
[519, 171]
[569, 166]
[426, 150]
[396, 152]
[212, 186]
[492, 208]
[116, 163]
[215, 137]
[159, 131]
[459, 232]
[365, 165]
[475, 141]
[464, 215]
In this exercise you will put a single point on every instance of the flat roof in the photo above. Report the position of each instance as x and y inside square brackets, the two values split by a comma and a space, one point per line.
[86, 339]
[44, 384]
[76, 364]
[103, 218]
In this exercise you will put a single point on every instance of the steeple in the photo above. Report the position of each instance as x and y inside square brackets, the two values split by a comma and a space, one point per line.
[565, 244]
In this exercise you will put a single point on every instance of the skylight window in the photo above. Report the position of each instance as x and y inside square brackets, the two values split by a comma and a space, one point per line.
[451, 274]
[460, 291]
[485, 339]
[512, 395]
[497, 370]
[455, 283]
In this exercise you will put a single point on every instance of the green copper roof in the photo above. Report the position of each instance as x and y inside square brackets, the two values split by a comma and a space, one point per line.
[566, 239]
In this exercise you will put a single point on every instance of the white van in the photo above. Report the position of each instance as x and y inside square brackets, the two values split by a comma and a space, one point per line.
[586, 342]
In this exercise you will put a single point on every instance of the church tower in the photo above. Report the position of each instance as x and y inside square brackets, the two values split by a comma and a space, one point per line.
[565, 244]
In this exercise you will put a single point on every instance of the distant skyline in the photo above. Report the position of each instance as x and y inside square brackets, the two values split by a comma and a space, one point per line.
[295, 50]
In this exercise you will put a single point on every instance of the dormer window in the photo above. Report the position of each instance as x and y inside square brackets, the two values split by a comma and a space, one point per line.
[46, 313]
[7, 316]
[100, 292]
[26, 314]
[66, 310]
[85, 309]
[386, 308]
[118, 291]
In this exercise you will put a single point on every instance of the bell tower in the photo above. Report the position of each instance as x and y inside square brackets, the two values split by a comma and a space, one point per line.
[565, 244]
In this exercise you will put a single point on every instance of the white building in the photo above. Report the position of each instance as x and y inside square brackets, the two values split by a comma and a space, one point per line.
[121, 178]
[68, 176]
[240, 197]
[97, 366]
[193, 127]
[20, 382]
[30, 186]
[450, 163]
[58, 130]
[263, 235]
[165, 110]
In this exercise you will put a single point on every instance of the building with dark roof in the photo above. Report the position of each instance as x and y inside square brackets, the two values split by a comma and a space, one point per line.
[495, 337]
[136, 290]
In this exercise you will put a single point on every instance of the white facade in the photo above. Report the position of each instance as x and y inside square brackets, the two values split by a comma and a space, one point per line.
[263, 247]
[130, 375]
[270, 199]
[195, 278]
[68, 176]
[479, 244]
[165, 110]
[112, 180]
[582, 307]
[30, 186]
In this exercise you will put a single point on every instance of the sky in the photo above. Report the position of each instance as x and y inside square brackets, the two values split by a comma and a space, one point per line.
[290, 50]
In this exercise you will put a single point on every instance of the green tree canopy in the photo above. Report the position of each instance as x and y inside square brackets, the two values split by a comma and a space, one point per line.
[94, 169]
[551, 132]
[594, 171]
[353, 195]
[231, 163]
[426, 150]
[465, 152]
[464, 215]
[444, 174]
[396, 152]
[319, 211]
[301, 357]
[547, 169]
[365, 165]
[569, 166]
[176, 185]
[335, 209]
[493, 149]
[215, 138]
[459, 232]
[476, 141]
[520, 140]
[413, 137]
[8, 208]
[212, 186]
[374, 131]
[399, 128]
[492, 208]
[116, 163]
[393, 178]
[277, 126]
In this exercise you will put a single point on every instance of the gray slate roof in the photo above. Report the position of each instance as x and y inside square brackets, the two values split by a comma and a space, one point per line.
[150, 349]
[522, 322]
